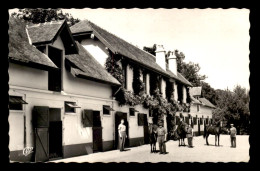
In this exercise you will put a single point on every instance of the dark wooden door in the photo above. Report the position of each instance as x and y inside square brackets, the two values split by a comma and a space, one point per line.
[41, 132]
[118, 117]
[146, 130]
[199, 126]
[41, 144]
[97, 132]
[97, 139]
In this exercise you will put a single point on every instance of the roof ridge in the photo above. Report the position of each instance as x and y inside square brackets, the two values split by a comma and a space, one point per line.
[45, 23]
[120, 38]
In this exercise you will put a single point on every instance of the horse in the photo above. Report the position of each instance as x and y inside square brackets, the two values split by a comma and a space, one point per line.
[179, 133]
[214, 130]
[152, 137]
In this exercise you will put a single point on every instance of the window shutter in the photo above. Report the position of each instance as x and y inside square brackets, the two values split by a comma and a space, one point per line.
[87, 118]
[41, 116]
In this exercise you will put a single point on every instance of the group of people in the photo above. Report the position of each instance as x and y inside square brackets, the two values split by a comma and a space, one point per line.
[161, 136]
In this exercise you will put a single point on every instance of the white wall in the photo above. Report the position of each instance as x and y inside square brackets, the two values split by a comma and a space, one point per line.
[129, 78]
[16, 130]
[184, 94]
[96, 49]
[163, 88]
[27, 76]
[175, 91]
[73, 131]
[148, 84]
[86, 87]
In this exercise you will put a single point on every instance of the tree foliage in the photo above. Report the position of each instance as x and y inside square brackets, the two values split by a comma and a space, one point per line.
[233, 107]
[40, 15]
[208, 92]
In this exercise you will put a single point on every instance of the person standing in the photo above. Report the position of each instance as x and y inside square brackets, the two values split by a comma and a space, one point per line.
[161, 138]
[233, 133]
[122, 134]
[189, 136]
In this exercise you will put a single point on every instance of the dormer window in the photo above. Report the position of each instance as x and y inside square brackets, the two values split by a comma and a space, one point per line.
[54, 76]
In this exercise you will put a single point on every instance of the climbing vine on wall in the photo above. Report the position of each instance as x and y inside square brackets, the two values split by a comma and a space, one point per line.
[154, 102]
[138, 84]
[114, 68]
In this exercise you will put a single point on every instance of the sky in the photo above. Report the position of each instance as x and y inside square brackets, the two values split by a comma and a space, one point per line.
[217, 39]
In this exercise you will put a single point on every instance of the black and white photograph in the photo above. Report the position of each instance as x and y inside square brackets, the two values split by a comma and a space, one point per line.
[128, 85]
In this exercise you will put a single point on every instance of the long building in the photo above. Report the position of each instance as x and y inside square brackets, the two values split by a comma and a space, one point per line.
[62, 98]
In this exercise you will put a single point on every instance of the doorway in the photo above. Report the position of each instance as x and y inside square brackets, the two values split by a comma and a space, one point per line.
[55, 133]
[48, 133]
[146, 130]
[118, 117]
[97, 132]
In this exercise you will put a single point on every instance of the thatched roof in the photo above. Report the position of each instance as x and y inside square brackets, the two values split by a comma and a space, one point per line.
[195, 101]
[20, 50]
[44, 32]
[78, 28]
[206, 102]
[183, 79]
[86, 66]
[195, 91]
[179, 77]
[120, 46]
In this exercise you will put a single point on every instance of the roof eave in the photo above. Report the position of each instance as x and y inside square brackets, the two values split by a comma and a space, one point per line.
[32, 64]
[96, 79]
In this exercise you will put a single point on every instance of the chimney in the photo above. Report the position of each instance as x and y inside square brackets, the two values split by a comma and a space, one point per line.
[172, 60]
[160, 56]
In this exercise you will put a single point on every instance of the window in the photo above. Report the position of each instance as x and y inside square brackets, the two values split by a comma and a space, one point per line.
[150, 113]
[207, 120]
[132, 111]
[16, 103]
[124, 70]
[144, 81]
[201, 121]
[198, 108]
[54, 76]
[106, 110]
[70, 107]
[195, 120]
[180, 93]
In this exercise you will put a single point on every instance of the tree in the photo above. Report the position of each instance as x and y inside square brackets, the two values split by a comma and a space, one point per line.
[40, 15]
[208, 92]
[233, 107]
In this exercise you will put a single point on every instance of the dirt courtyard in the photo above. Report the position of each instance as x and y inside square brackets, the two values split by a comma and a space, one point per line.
[200, 153]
